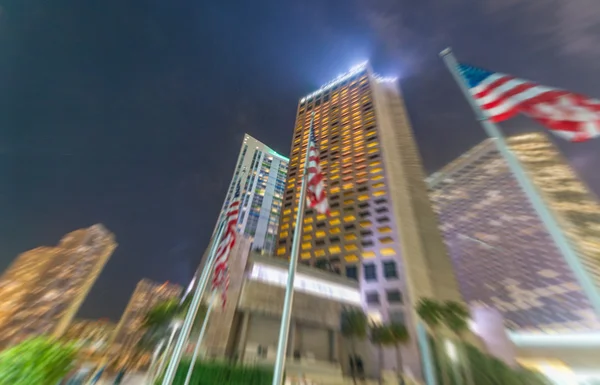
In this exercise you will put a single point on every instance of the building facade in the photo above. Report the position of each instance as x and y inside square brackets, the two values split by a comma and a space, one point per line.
[43, 289]
[146, 295]
[263, 172]
[90, 335]
[502, 254]
[382, 230]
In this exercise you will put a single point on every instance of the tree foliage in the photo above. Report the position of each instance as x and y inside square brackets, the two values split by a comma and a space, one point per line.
[40, 361]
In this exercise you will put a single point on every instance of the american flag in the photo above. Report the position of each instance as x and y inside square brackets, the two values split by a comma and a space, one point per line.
[571, 116]
[220, 279]
[315, 189]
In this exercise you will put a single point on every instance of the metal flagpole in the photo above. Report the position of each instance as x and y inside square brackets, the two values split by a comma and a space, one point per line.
[191, 314]
[289, 290]
[560, 239]
[200, 338]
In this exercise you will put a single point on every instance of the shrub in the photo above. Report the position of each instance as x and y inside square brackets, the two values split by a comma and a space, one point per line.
[216, 372]
[40, 361]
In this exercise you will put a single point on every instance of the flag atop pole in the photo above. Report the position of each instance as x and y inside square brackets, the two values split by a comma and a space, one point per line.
[566, 114]
[475, 83]
[220, 278]
[312, 192]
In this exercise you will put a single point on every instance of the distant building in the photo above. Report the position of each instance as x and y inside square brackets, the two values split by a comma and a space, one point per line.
[130, 329]
[90, 335]
[503, 256]
[262, 192]
[42, 290]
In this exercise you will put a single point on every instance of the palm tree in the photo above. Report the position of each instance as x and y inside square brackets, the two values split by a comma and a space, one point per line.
[430, 312]
[381, 335]
[456, 317]
[400, 337]
[353, 326]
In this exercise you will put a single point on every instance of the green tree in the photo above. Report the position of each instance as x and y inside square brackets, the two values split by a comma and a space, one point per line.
[40, 361]
[381, 335]
[455, 316]
[431, 313]
[400, 337]
[354, 326]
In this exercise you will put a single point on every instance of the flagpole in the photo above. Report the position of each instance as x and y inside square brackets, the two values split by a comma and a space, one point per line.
[193, 311]
[200, 338]
[289, 290]
[560, 239]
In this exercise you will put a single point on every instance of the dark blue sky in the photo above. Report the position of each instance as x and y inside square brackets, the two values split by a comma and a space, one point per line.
[131, 113]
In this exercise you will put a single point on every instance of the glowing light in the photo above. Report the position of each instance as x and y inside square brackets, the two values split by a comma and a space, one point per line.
[353, 71]
[451, 350]
[306, 284]
[576, 339]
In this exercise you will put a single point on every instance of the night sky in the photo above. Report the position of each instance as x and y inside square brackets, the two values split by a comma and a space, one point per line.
[131, 113]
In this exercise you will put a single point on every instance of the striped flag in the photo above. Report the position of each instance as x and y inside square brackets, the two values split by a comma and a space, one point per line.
[571, 116]
[220, 279]
[315, 190]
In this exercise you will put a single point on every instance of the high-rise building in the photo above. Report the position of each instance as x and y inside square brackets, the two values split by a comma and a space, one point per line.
[44, 287]
[502, 254]
[382, 230]
[91, 335]
[262, 192]
[145, 296]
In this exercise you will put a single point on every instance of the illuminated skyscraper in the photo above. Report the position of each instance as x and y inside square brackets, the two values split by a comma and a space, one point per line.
[44, 288]
[382, 230]
[262, 192]
[91, 335]
[502, 253]
[147, 294]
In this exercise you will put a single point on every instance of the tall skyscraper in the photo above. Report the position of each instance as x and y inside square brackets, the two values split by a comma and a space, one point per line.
[382, 230]
[262, 192]
[145, 296]
[90, 335]
[502, 253]
[44, 288]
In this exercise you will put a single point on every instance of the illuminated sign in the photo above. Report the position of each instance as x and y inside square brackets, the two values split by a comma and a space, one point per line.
[318, 287]
[353, 71]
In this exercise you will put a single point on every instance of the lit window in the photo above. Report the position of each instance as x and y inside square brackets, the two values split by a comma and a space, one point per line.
[373, 151]
[350, 258]
[388, 252]
[368, 254]
[349, 201]
[378, 193]
[307, 237]
[308, 228]
[334, 213]
[334, 222]
[335, 190]
[372, 144]
[376, 163]
[386, 240]
[308, 220]
[285, 226]
[351, 247]
[306, 246]
[350, 237]
[364, 197]
[320, 234]
[335, 230]
[319, 253]
[334, 250]
[287, 212]
[385, 229]
[378, 185]
[281, 250]
[305, 255]
[377, 177]
[376, 170]
[321, 217]
[349, 218]
[348, 186]
[365, 223]
[284, 234]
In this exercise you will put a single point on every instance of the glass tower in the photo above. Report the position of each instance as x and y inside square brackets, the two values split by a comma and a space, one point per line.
[44, 287]
[502, 254]
[262, 192]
